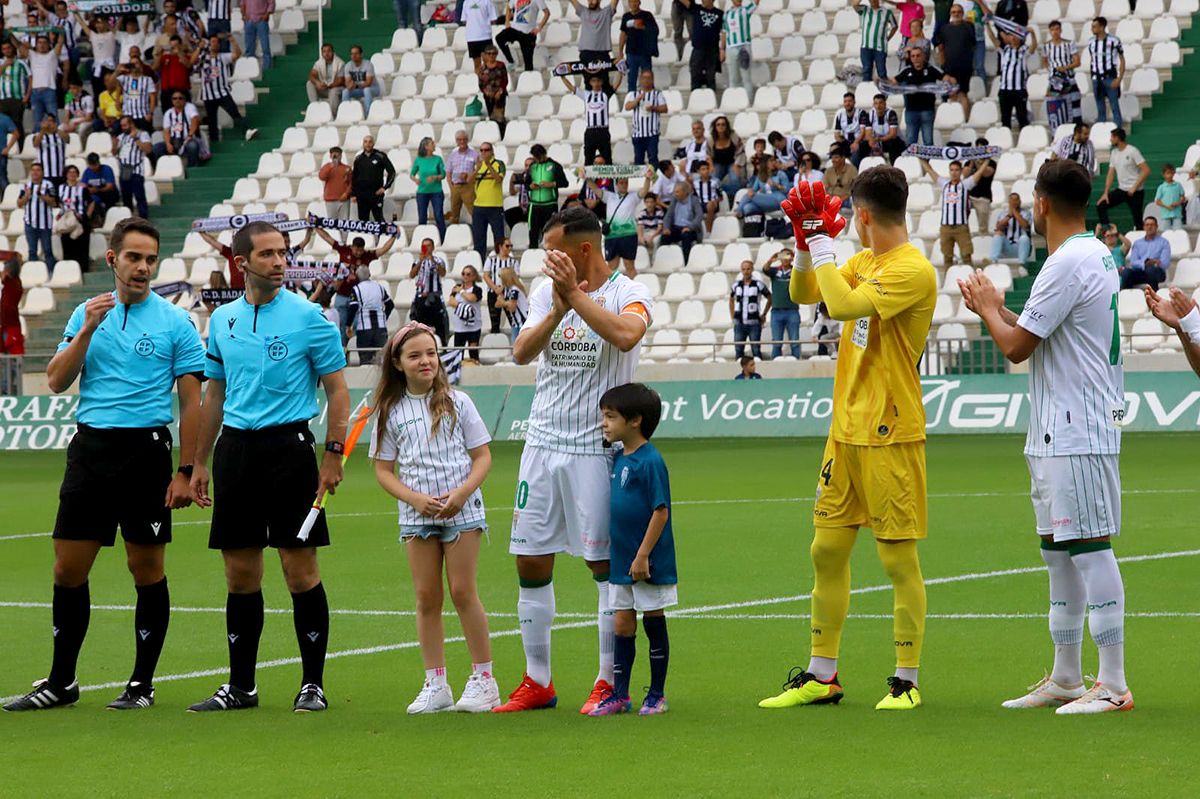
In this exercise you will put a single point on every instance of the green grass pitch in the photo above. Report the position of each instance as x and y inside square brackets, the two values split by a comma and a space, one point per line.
[742, 522]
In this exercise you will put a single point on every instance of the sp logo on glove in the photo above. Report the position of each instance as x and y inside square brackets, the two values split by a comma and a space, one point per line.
[813, 212]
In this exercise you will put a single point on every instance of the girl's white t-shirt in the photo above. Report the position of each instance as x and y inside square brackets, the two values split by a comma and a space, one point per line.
[432, 464]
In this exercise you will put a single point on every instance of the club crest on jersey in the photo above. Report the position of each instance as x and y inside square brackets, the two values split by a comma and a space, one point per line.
[600, 300]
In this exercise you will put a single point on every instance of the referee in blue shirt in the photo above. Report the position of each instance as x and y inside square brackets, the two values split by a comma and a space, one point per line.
[266, 354]
[129, 348]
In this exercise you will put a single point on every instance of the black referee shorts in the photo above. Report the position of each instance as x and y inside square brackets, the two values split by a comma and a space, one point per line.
[263, 484]
[116, 477]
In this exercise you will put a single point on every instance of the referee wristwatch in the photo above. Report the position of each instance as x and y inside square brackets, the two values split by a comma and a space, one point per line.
[336, 447]
[186, 470]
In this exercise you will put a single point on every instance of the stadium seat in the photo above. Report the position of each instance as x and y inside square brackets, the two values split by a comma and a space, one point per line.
[713, 286]
[1130, 30]
[955, 273]
[665, 343]
[34, 273]
[493, 348]
[701, 345]
[1131, 304]
[316, 115]
[1187, 273]
[66, 274]
[532, 261]
[1147, 334]
[679, 286]
[170, 270]
[1145, 81]
[37, 301]
[948, 117]
[668, 258]
[999, 274]
[701, 259]
[1165, 55]
[689, 315]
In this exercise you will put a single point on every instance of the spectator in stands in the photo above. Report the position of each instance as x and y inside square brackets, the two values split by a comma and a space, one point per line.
[1015, 11]
[336, 175]
[10, 135]
[370, 307]
[489, 199]
[108, 106]
[728, 156]
[767, 190]
[1014, 75]
[841, 174]
[591, 194]
[648, 105]
[1078, 147]
[919, 106]
[1170, 199]
[466, 321]
[955, 208]
[461, 165]
[101, 184]
[237, 277]
[80, 111]
[620, 224]
[493, 85]
[638, 42]
[664, 182]
[1108, 70]
[14, 85]
[683, 223]
[129, 38]
[785, 313]
[984, 172]
[941, 15]
[955, 44]
[708, 191]
[74, 199]
[181, 131]
[131, 149]
[1130, 170]
[1014, 231]
[1062, 57]
[12, 340]
[172, 64]
[256, 18]
[518, 186]
[910, 11]
[515, 302]
[878, 26]
[749, 301]
[681, 20]
[1118, 245]
[522, 25]
[847, 128]
[735, 44]
[810, 169]
[104, 49]
[358, 79]
[408, 15]
[325, 78]
[546, 177]
[826, 331]
[707, 48]
[1148, 259]
[596, 136]
[51, 145]
[428, 171]
[749, 372]
[39, 199]
[595, 32]
[914, 40]
[476, 17]
[649, 221]
[788, 151]
[216, 68]
[370, 178]
[43, 70]
[976, 12]
[498, 260]
[881, 132]
[350, 258]
[139, 91]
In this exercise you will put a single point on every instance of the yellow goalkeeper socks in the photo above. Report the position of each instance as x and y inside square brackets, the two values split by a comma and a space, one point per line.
[900, 561]
[831, 549]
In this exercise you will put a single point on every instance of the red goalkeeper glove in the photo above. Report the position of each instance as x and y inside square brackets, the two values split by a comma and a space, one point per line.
[813, 212]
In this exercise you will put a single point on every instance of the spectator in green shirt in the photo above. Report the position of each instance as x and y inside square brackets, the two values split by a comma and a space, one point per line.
[1169, 200]
[429, 170]
[785, 314]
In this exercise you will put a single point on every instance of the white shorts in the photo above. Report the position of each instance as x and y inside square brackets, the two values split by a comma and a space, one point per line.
[642, 596]
[561, 505]
[1076, 496]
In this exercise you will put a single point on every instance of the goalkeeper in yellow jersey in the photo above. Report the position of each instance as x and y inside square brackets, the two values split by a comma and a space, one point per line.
[873, 471]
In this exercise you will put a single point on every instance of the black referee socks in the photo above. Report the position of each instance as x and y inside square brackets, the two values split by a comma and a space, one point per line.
[71, 612]
[311, 616]
[243, 624]
[150, 621]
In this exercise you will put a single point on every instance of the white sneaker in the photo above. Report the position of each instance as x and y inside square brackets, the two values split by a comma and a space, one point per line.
[251, 133]
[432, 699]
[1046, 693]
[1098, 699]
[479, 695]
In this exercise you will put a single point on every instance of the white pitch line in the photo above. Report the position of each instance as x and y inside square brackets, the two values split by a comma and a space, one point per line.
[684, 615]
[957, 578]
[685, 502]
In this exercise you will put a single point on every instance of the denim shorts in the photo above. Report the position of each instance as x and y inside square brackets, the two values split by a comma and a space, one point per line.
[447, 534]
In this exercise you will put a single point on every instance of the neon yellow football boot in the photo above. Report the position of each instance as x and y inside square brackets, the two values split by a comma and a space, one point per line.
[901, 695]
[803, 688]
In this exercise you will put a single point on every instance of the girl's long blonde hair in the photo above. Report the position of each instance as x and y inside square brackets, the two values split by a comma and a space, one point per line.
[393, 385]
[510, 278]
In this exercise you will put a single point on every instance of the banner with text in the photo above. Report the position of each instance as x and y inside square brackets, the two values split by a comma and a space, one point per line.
[793, 408]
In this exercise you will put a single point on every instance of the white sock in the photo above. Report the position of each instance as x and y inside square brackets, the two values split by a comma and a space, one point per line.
[907, 674]
[535, 611]
[823, 669]
[1106, 613]
[604, 619]
[1068, 607]
[482, 669]
[436, 677]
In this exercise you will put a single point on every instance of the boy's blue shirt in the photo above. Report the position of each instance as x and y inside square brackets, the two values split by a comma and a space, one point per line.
[640, 486]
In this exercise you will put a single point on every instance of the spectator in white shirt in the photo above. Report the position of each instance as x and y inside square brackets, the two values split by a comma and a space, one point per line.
[325, 78]
[43, 68]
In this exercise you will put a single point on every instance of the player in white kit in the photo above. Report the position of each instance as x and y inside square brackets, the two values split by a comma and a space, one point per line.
[1070, 333]
[585, 327]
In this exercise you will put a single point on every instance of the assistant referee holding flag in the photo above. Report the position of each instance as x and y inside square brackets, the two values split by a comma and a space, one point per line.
[131, 347]
[266, 353]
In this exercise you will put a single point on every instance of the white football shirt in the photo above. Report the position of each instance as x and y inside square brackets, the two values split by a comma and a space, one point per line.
[578, 366]
[433, 465]
[1076, 380]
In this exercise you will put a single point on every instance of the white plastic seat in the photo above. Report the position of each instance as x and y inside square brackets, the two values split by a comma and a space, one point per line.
[1000, 275]
[1145, 81]
[1131, 304]
[954, 274]
[1148, 333]
[35, 273]
[1187, 273]
[316, 114]
[948, 117]
[718, 317]
[532, 261]
[665, 343]
[690, 315]
[294, 140]
[1032, 139]
[701, 345]
[37, 301]
[668, 258]
[679, 286]
[713, 286]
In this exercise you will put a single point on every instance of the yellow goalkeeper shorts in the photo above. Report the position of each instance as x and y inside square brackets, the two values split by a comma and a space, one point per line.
[882, 488]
